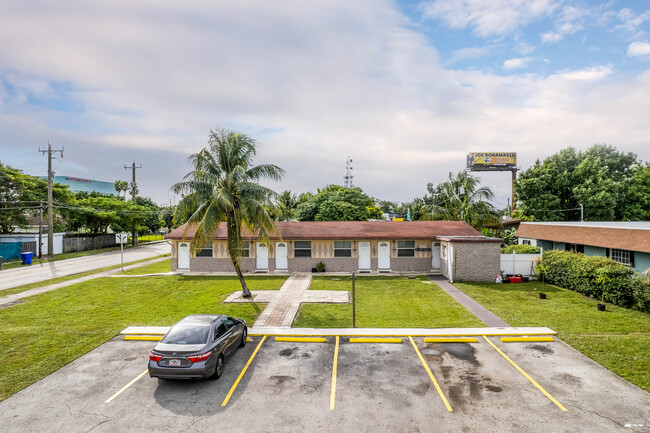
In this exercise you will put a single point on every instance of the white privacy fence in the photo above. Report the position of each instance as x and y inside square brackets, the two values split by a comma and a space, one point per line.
[523, 264]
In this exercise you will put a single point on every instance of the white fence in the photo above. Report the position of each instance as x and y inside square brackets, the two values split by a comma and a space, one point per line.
[523, 264]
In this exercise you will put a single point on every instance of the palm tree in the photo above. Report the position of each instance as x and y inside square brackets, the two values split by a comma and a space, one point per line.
[287, 203]
[462, 198]
[222, 187]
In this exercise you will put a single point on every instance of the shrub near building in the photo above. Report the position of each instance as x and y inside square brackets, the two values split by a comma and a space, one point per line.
[597, 277]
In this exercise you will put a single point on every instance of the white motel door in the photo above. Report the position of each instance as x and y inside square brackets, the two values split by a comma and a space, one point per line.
[364, 256]
[184, 255]
[281, 262]
[262, 252]
[383, 256]
[435, 255]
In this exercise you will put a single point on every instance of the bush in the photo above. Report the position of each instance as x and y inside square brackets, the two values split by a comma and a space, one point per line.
[520, 249]
[597, 277]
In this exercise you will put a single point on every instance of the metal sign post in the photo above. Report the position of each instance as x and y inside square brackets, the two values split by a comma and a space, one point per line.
[121, 238]
[354, 313]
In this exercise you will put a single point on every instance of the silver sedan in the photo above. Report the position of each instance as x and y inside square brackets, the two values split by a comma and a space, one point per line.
[197, 347]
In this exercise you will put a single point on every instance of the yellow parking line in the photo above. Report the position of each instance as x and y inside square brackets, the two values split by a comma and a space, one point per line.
[537, 385]
[433, 379]
[142, 338]
[234, 386]
[302, 339]
[334, 369]
[375, 340]
[126, 386]
[526, 339]
[450, 340]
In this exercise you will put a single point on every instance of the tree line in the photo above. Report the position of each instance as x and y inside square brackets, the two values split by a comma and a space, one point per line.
[22, 196]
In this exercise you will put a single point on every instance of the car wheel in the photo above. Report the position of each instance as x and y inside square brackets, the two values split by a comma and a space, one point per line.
[218, 371]
[244, 334]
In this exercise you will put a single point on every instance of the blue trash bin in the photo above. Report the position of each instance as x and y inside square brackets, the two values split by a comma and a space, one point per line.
[27, 258]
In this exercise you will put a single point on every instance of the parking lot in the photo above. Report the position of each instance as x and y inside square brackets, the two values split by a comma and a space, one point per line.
[289, 386]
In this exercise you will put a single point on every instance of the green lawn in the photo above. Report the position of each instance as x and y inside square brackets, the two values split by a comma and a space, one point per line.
[154, 268]
[25, 287]
[50, 330]
[386, 302]
[618, 338]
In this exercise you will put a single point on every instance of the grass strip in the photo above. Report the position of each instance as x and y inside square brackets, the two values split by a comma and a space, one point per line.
[19, 289]
[386, 302]
[618, 338]
[49, 330]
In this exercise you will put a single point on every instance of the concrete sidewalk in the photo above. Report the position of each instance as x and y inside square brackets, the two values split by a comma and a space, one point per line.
[486, 316]
[9, 300]
[283, 308]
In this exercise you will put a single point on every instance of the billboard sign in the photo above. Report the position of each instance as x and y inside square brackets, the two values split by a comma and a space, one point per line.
[492, 161]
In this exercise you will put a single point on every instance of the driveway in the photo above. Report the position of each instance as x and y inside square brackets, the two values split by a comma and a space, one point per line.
[45, 271]
[288, 386]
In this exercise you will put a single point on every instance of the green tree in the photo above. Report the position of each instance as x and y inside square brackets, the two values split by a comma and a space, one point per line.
[337, 203]
[286, 204]
[121, 186]
[461, 198]
[167, 217]
[150, 215]
[21, 194]
[609, 184]
[222, 187]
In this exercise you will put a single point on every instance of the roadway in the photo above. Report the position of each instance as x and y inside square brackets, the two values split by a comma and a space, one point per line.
[44, 271]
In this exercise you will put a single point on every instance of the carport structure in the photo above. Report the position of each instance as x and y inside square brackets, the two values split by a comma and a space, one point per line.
[292, 379]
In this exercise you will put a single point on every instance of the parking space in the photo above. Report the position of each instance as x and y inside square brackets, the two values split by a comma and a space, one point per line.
[289, 386]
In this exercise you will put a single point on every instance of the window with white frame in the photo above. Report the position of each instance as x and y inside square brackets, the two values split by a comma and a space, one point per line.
[621, 256]
[443, 251]
[525, 241]
[405, 248]
[302, 249]
[205, 251]
[342, 249]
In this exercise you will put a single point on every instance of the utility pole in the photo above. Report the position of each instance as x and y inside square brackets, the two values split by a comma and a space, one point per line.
[134, 192]
[50, 206]
[40, 230]
[514, 181]
[582, 212]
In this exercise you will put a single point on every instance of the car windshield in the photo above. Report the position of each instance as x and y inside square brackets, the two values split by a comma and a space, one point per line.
[187, 335]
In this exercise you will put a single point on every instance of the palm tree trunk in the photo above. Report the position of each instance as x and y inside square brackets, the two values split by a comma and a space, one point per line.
[246, 293]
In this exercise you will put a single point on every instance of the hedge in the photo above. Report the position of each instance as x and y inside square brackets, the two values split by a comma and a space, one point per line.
[520, 249]
[590, 275]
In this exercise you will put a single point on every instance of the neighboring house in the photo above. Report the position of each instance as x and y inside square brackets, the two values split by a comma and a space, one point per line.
[452, 248]
[627, 242]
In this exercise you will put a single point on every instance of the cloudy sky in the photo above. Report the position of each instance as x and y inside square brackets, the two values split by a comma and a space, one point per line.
[404, 88]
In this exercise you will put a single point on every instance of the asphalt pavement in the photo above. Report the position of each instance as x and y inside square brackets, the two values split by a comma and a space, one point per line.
[44, 271]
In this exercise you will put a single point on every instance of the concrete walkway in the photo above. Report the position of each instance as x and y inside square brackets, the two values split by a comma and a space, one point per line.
[9, 300]
[486, 316]
[283, 308]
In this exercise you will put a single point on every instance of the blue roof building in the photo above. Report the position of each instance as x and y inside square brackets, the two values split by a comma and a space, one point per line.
[78, 184]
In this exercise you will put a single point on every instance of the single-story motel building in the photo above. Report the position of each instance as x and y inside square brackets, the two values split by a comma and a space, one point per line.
[627, 242]
[451, 248]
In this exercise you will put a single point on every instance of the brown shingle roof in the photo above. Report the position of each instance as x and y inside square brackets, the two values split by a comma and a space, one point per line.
[607, 237]
[352, 230]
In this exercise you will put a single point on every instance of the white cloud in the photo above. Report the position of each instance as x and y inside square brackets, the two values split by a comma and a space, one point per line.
[467, 54]
[517, 62]
[631, 22]
[639, 49]
[313, 84]
[594, 73]
[489, 18]
[570, 21]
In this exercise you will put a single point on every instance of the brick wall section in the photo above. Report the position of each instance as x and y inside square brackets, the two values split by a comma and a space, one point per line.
[476, 261]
